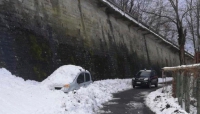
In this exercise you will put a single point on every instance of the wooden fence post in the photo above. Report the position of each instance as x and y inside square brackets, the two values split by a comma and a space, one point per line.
[179, 88]
[177, 85]
[180, 97]
[198, 96]
[174, 84]
[187, 92]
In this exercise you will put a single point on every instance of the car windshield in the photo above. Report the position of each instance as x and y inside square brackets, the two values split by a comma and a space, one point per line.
[143, 74]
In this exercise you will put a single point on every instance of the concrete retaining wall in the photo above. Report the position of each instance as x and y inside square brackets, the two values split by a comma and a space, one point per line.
[38, 36]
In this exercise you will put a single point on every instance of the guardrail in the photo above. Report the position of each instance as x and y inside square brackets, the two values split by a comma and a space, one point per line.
[186, 85]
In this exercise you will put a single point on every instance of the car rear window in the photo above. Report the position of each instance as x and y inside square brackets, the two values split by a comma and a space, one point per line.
[87, 77]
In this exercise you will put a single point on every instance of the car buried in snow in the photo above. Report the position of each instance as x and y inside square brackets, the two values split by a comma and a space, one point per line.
[68, 78]
[145, 78]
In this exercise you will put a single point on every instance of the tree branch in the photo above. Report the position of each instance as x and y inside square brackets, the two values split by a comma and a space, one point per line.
[185, 13]
[160, 16]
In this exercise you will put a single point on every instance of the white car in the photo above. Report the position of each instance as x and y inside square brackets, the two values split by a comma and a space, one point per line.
[68, 78]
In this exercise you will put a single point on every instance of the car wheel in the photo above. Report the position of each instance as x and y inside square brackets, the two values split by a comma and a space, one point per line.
[149, 85]
[156, 85]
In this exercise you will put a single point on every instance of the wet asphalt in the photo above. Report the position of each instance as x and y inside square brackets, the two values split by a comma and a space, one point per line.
[129, 102]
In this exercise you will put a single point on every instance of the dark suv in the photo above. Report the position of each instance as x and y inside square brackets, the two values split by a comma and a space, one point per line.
[145, 77]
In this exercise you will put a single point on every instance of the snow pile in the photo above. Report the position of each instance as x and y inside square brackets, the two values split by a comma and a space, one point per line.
[27, 97]
[89, 100]
[163, 103]
[63, 75]
[18, 96]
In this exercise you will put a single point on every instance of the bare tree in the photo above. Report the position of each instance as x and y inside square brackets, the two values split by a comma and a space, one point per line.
[131, 6]
[191, 21]
[181, 31]
[168, 17]
[174, 13]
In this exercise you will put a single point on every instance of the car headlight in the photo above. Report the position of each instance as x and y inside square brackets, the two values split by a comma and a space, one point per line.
[133, 78]
[145, 79]
[66, 85]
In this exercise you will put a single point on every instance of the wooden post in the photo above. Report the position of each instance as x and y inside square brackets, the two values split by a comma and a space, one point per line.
[187, 92]
[163, 90]
[182, 89]
[198, 96]
[178, 86]
[174, 84]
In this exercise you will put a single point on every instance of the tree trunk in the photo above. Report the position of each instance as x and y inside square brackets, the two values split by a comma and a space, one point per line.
[181, 42]
[182, 55]
[131, 7]
[198, 34]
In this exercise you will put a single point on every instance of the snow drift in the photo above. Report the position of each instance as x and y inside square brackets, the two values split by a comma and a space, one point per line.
[18, 96]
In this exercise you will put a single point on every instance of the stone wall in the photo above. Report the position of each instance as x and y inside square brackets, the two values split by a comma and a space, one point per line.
[38, 36]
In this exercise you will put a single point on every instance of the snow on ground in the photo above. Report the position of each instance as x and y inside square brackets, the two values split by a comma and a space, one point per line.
[164, 103]
[161, 80]
[18, 96]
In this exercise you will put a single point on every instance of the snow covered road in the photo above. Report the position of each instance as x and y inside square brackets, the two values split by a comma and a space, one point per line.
[129, 102]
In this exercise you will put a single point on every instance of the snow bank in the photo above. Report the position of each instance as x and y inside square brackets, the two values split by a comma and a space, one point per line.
[27, 97]
[89, 100]
[18, 96]
[163, 103]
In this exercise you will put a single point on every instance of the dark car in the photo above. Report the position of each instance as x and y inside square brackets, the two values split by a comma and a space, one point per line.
[145, 78]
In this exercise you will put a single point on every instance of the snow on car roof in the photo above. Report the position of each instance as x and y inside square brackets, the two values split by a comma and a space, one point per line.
[63, 75]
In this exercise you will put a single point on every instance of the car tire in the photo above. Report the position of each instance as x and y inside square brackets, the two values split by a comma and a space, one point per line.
[149, 85]
[156, 85]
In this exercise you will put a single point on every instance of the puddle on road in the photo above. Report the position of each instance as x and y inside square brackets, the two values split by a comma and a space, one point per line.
[104, 112]
[116, 98]
[143, 94]
[135, 105]
[139, 112]
[110, 103]
[136, 98]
